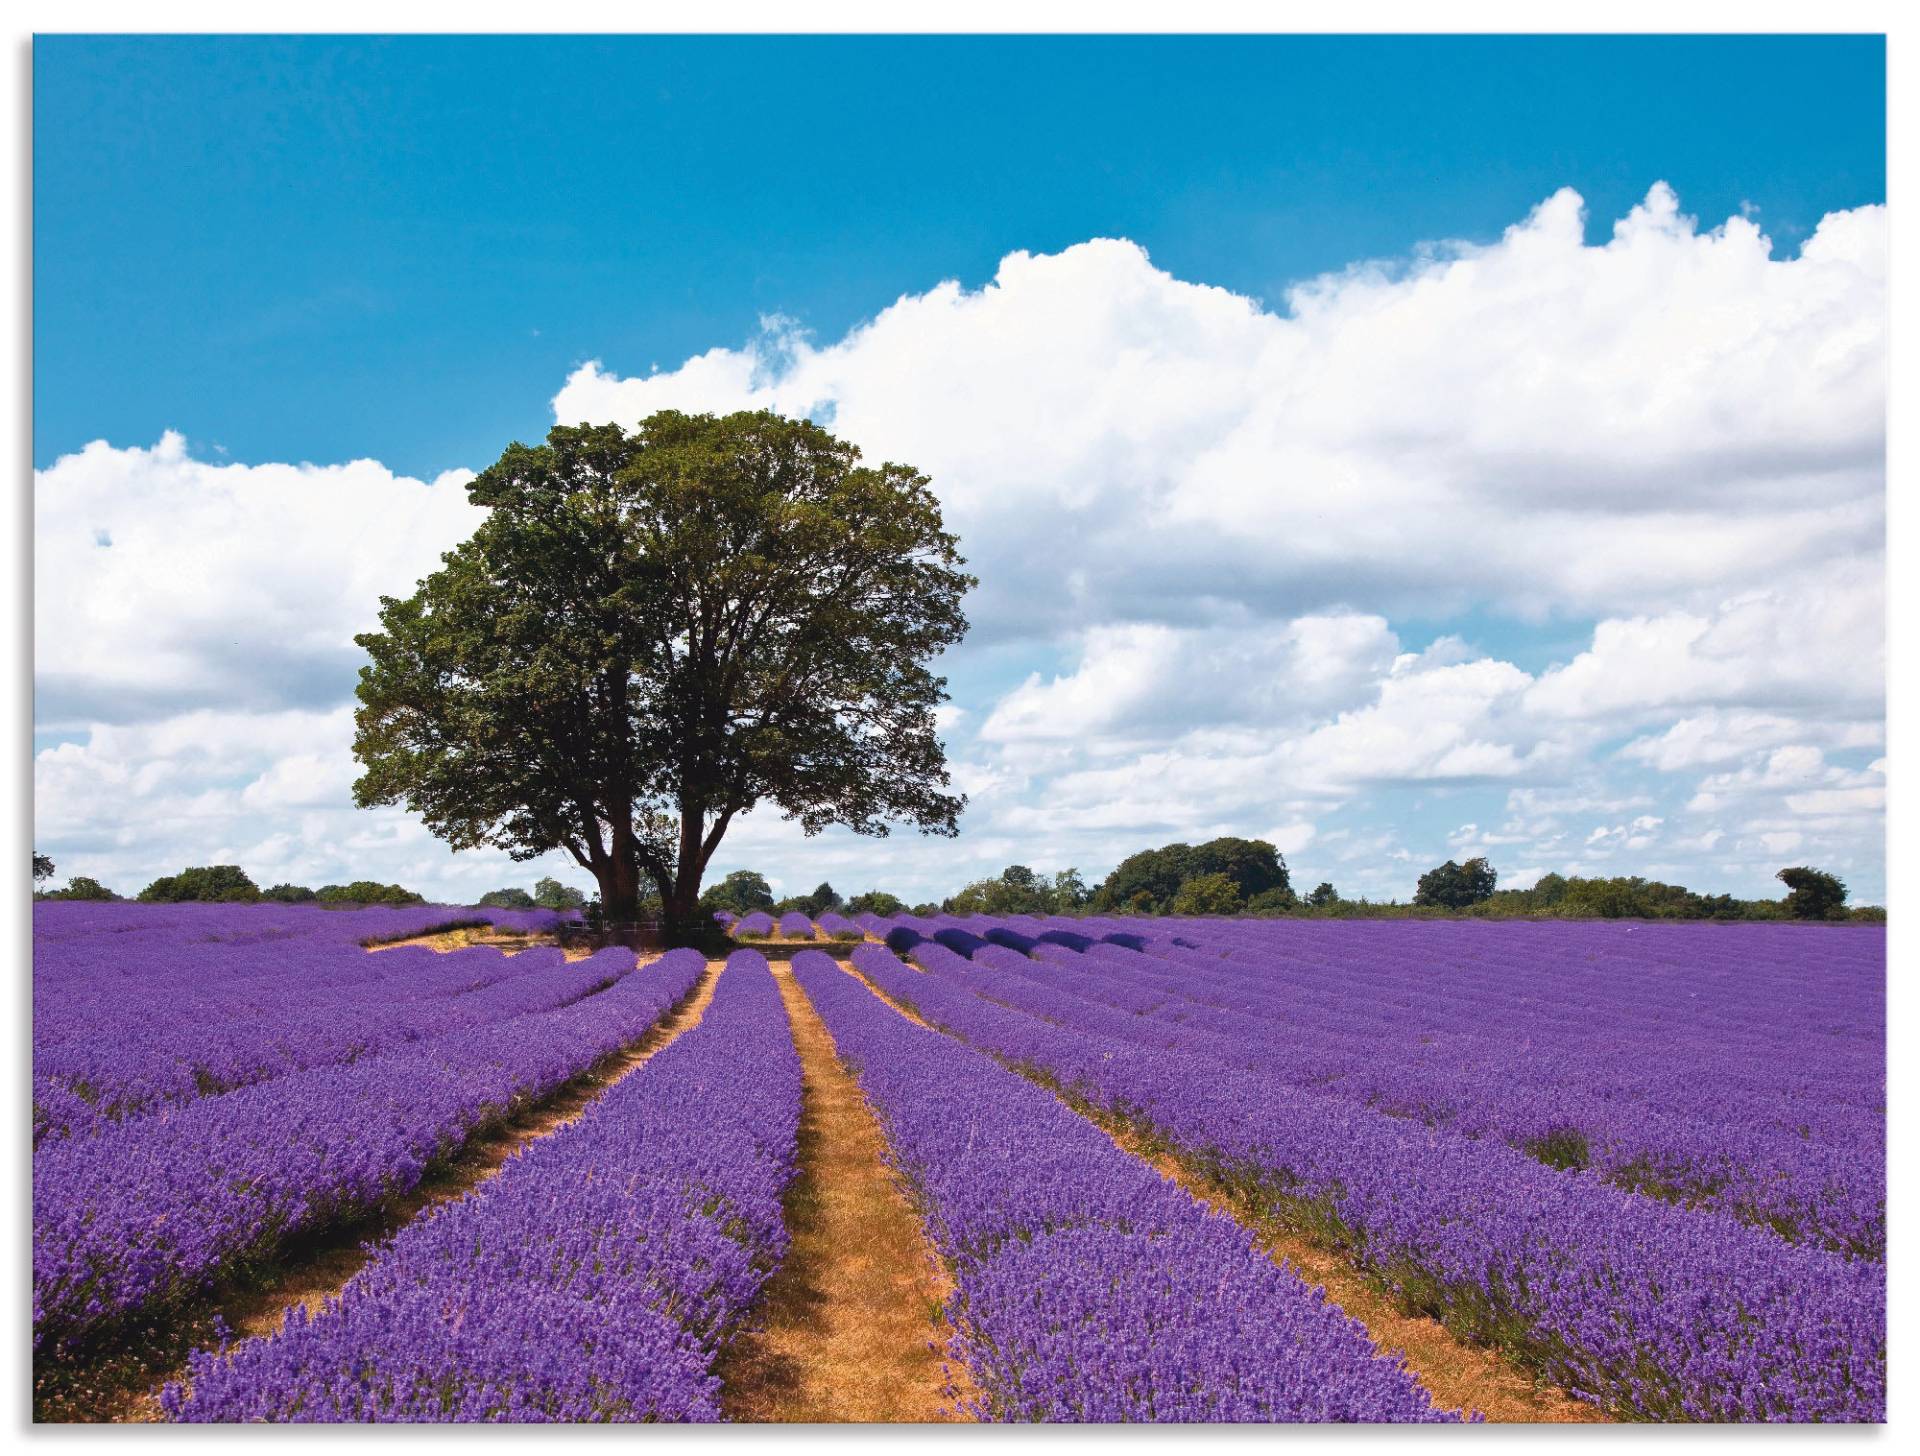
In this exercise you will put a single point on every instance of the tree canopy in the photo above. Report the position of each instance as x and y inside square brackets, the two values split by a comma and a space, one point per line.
[652, 633]
[742, 892]
[1813, 894]
[81, 887]
[1018, 890]
[1455, 886]
[1150, 880]
[1208, 894]
[203, 882]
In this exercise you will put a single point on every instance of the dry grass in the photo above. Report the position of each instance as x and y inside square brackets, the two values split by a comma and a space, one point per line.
[847, 1324]
[1458, 1375]
[510, 941]
[120, 1383]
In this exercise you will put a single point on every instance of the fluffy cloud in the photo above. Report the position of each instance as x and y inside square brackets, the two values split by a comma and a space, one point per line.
[1203, 527]
[1644, 426]
[164, 583]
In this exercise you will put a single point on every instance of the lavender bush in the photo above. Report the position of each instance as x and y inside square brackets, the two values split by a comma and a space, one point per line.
[1651, 1309]
[595, 1279]
[1087, 1287]
[149, 1212]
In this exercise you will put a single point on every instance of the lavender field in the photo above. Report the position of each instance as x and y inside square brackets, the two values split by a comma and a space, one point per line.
[1642, 1164]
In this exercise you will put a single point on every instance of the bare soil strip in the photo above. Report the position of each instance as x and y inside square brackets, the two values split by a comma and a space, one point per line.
[849, 1322]
[512, 942]
[1458, 1375]
[121, 1383]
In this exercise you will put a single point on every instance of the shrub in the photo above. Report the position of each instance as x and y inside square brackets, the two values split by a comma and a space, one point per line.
[81, 887]
[550, 894]
[509, 899]
[1814, 894]
[287, 894]
[1214, 894]
[226, 883]
[367, 892]
[1456, 886]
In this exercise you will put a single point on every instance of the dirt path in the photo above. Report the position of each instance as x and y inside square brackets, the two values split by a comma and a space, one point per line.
[510, 941]
[121, 1385]
[847, 1320]
[1459, 1376]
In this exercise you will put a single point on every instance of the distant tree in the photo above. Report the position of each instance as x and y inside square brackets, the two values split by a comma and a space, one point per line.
[1019, 890]
[81, 887]
[1070, 891]
[550, 894]
[507, 899]
[1813, 894]
[42, 867]
[1146, 880]
[742, 892]
[925, 908]
[1253, 865]
[1323, 895]
[652, 633]
[824, 897]
[367, 892]
[287, 894]
[1212, 894]
[875, 902]
[1455, 886]
[203, 882]
[1277, 901]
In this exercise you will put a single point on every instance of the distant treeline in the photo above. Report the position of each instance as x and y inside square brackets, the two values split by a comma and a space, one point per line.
[227, 885]
[1226, 876]
[1249, 877]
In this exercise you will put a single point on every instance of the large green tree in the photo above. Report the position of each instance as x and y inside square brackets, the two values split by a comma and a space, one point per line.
[1813, 894]
[652, 633]
[1456, 886]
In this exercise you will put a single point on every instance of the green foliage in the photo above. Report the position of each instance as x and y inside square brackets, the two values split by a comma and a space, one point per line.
[367, 892]
[651, 633]
[1814, 894]
[1323, 895]
[1621, 897]
[507, 899]
[286, 894]
[1455, 886]
[1146, 882]
[823, 897]
[81, 887]
[42, 867]
[550, 894]
[1267, 902]
[1212, 894]
[225, 883]
[1017, 890]
[742, 892]
[875, 902]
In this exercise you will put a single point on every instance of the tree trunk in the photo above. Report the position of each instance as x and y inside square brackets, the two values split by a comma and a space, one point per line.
[680, 901]
[619, 880]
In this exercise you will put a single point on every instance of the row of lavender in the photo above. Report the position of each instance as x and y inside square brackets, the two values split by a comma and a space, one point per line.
[140, 1007]
[1086, 1287]
[1647, 1308]
[596, 1278]
[1640, 1054]
[148, 1212]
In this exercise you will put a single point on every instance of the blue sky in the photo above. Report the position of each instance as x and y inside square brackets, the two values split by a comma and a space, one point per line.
[403, 251]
